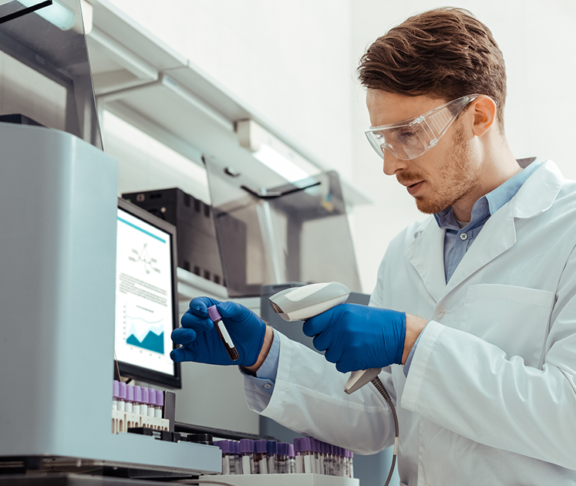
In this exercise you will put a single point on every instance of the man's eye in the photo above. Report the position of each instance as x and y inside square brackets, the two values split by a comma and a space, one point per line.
[409, 137]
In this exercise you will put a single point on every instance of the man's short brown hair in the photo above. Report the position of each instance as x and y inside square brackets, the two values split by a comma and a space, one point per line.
[443, 53]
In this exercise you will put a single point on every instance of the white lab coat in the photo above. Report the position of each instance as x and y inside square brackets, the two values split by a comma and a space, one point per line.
[490, 398]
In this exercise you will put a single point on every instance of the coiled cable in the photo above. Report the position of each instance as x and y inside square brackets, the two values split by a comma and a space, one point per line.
[382, 389]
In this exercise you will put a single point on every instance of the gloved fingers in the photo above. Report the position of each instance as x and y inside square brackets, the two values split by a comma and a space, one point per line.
[182, 354]
[322, 341]
[315, 325]
[333, 354]
[234, 311]
[199, 306]
[344, 366]
[183, 336]
[192, 321]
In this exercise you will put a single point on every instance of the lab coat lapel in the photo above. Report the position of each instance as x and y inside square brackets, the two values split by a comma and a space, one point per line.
[499, 233]
[426, 254]
[497, 236]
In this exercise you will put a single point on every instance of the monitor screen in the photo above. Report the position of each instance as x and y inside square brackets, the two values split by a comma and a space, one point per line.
[145, 296]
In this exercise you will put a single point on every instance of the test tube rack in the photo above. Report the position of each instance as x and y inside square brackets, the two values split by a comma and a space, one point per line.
[122, 421]
[279, 480]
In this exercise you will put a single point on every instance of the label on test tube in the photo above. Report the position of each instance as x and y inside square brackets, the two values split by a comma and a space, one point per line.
[223, 333]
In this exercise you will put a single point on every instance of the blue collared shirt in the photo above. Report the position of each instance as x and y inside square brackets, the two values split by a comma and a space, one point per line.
[457, 240]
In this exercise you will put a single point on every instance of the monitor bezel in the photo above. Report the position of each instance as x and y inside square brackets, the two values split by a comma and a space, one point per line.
[138, 372]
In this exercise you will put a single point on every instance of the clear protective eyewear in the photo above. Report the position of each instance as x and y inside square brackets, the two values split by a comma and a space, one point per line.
[411, 138]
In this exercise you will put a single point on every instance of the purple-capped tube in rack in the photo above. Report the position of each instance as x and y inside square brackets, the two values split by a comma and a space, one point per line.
[137, 400]
[351, 459]
[122, 397]
[247, 451]
[226, 455]
[129, 398]
[115, 394]
[271, 456]
[291, 459]
[159, 404]
[151, 402]
[145, 401]
[260, 462]
[307, 454]
[282, 458]
[237, 458]
[223, 333]
[316, 455]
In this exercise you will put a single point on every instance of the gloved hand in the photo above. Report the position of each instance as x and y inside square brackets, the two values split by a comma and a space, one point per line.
[357, 337]
[201, 343]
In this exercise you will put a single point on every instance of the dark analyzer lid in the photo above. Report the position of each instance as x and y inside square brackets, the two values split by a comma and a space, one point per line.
[46, 78]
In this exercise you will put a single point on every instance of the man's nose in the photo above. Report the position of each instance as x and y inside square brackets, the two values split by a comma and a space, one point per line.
[393, 164]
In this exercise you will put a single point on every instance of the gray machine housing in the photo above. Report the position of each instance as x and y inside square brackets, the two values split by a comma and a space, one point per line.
[57, 287]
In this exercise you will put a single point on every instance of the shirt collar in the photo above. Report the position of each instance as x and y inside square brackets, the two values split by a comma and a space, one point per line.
[487, 205]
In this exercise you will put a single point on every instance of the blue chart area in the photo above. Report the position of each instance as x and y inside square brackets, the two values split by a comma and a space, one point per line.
[150, 337]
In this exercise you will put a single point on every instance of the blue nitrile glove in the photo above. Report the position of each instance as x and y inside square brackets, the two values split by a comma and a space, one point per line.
[357, 337]
[201, 343]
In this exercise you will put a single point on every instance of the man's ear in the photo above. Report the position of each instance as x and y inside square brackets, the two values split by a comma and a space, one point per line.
[484, 112]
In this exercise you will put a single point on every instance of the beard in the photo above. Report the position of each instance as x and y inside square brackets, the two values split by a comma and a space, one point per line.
[457, 175]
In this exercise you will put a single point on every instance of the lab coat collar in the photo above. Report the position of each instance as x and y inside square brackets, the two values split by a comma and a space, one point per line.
[426, 253]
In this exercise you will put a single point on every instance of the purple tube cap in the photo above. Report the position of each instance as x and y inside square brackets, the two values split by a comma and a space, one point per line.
[237, 448]
[130, 393]
[116, 389]
[246, 446]
[214, 314]
[159, 398]
[291, 450]
[225, 446]
[138, 394]
[145, 397]
[305, 444]
[122, 390]
[271, 447]
[282, 449]
[260, 446]
[151, 397]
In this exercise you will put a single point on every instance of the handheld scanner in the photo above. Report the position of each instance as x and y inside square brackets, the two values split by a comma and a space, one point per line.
[301, 303]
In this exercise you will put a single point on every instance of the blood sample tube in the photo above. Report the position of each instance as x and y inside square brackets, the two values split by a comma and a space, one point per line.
[115, 394]
[122, 397]
[224, 446]
[144, 402]
[223, 333]
[291, 460]
[247, 451]
[307, 454]
[129, 398]
[260, 458]
[316, 455]
[151, 402]
[351, 458]
[137, 400]
[237, 458]
[271, 453]
[282, 458]
[159, 404]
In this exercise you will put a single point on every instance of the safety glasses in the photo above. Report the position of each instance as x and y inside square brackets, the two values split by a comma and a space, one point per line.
[411, 138]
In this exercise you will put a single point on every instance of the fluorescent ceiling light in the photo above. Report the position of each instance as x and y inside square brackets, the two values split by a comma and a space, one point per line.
[274, 153]
[56, 13]
[280, 164]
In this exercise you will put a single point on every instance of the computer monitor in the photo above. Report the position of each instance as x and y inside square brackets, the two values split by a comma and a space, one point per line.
[146, 297]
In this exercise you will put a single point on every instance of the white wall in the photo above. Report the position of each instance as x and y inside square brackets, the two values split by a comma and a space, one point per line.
[538, 42]
[287, 60]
